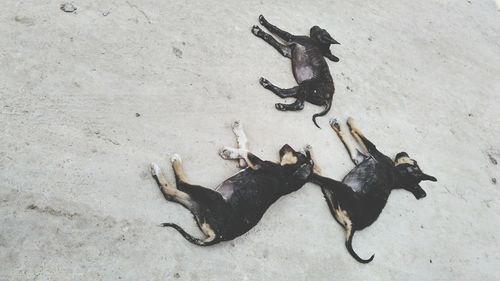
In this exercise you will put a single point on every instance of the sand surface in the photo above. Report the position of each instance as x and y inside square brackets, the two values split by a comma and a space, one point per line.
[88, 99]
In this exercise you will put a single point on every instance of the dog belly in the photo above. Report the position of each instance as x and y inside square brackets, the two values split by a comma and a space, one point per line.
[307, 63]
[303, 73]
[226, 188]
[302, 67]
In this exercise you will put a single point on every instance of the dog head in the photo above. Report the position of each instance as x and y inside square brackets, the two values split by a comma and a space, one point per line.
[410, 175]
[324, 40]
[298, 165]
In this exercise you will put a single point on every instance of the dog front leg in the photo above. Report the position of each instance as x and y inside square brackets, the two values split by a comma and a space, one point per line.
[229, 153]
[309, 151]
[356, 156]
[242, 141]
[275, 30]
[282, 49]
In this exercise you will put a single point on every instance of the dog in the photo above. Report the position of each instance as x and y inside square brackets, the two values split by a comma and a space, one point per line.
[239, 202]
[308, 64]
[358, 200]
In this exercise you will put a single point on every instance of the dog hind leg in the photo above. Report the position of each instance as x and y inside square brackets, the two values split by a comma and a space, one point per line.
[282, 93]
[171, 193]
[356, 156]
[295, 106]
[363, 142]
[191, 197]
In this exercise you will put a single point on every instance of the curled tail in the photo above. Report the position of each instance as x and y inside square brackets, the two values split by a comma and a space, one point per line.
[206, 242]
[328, 105]
[348, 245]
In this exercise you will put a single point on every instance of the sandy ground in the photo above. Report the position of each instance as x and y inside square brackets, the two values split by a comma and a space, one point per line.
[77, 201]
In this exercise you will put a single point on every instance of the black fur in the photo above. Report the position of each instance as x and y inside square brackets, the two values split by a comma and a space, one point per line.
[309, 66]
[364, 191]
[239, 202]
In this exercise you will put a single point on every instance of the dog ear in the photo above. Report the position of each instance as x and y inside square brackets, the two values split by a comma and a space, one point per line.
[426, 177]
[303, 172]
[327, 39]
[286, 148]
[332, 57]
[418, 192]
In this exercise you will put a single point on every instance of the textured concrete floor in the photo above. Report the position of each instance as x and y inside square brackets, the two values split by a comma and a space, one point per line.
[76, 198]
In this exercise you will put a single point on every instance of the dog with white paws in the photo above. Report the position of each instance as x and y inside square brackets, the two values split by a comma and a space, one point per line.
[239, 202]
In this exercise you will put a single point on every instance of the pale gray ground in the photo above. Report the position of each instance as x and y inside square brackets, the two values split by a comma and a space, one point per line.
[76, 197]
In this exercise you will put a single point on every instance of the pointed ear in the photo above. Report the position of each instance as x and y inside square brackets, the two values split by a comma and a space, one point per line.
[418, 192]
[286, 148]
[425, 177]
[325, 38]
[332, 57]
[303, 172]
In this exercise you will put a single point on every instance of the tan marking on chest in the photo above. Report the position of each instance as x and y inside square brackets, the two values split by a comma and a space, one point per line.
[288, 159]
[405, 160]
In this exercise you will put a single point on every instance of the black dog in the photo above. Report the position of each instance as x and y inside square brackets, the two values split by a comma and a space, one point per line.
[239, 202]
[309, 66]
[358, 200]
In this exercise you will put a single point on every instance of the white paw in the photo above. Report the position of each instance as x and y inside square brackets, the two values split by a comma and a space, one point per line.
[237, 128]
[155, 169]
[236, 125]
[335, 125]
[228, 153]
[255, 30]
[308, 147]
[175, 157]
[224, 153]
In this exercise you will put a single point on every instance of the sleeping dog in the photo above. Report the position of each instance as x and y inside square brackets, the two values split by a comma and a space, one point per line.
[358, 200]
[308, 63]
[239, 202]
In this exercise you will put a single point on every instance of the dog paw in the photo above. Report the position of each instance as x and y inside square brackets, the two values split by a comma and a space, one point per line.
[308, 147]
[262, 20]
[236, 125]
[175, 157]
[280, 106]
[264, 82]
[256, 30]
[155, 169]
[226, 153]
[350, 123]
[238, 130]
[335, 124]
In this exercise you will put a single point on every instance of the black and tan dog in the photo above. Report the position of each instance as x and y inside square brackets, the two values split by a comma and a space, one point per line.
[308, 64]
[358, 200]
[239, 202]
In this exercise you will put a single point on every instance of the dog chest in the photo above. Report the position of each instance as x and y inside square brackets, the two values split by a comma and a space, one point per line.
[302, 68]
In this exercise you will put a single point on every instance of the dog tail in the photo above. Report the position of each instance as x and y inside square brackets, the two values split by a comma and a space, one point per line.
[205, 242]
[348, 245]
[328, 105]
